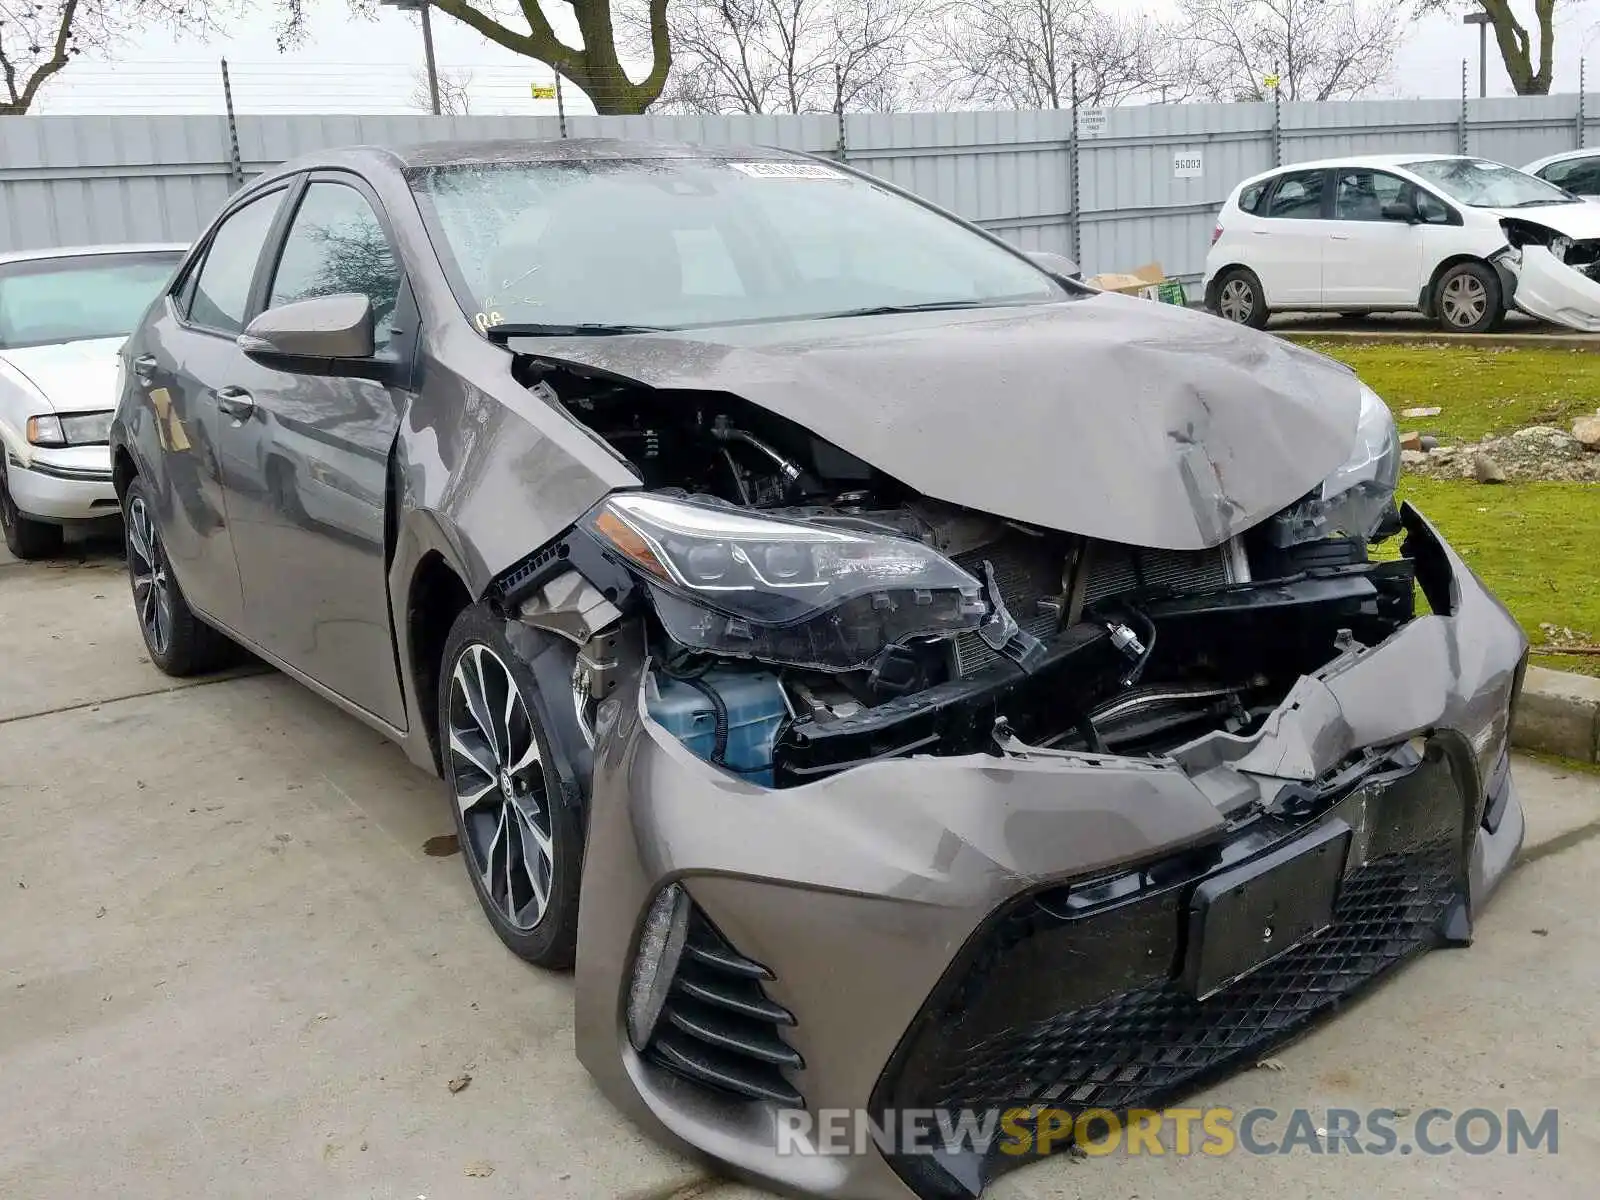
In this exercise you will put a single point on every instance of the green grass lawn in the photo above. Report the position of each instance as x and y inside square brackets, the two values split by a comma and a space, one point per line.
[1480, 390]
[1536, 544]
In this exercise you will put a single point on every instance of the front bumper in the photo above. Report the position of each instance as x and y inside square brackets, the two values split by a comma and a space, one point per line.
[71, 484]
[1548, 289]
[916, 916]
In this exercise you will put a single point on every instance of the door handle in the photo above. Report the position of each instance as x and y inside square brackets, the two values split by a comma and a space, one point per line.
[235, 402]
[1340, 237]
[144, 365]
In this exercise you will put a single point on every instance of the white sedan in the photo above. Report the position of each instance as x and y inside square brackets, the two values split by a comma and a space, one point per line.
[1460, 239]
[63, 316]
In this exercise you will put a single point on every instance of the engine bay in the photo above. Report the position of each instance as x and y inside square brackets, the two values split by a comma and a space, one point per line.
[1060, 640]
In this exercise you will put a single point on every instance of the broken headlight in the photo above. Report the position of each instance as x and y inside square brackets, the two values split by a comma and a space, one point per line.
[794, 592]
[1357, 500]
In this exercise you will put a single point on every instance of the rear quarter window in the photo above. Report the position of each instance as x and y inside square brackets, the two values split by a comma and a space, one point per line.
[1250, 197]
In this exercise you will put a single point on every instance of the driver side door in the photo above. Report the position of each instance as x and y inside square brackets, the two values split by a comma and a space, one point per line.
[305, 473]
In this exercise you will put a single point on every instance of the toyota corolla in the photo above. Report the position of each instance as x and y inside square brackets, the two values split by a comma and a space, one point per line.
[898, 676]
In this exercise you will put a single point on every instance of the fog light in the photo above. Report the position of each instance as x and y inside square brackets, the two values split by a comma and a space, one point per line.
[660, 946]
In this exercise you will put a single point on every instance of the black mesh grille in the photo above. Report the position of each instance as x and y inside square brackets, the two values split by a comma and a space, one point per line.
[1155, 1040]
[1074, 998]
[719, 1027]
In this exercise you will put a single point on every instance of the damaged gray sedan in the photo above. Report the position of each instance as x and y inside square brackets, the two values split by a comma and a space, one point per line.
[900, 678]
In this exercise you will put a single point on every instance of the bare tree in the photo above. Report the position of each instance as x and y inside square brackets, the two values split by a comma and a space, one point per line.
[769, 56]
[595, 66]
[38, 38]
[454, 100]
[1317, 49]
[1527, 64]
[1022, 54]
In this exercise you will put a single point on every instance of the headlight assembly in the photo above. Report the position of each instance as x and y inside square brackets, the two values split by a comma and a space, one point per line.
[793, 592]
[79, 429]
[1357, 500]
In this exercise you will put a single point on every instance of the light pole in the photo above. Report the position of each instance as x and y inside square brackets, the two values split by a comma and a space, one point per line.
[427, 44]
[1481, 20]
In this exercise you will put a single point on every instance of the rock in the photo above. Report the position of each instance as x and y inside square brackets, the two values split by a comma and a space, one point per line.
[1545, 441]
[1486, 470]
[1412, 458]
[1411, 441]
[1420, 412]
[1586, 431]
[1430, 443]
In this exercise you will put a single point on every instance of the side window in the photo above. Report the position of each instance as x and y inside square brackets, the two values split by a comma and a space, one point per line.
[1298, 195]
[222, 285]
[1430, 208]
[1250, 198]
[336, 245]
[1361, 194]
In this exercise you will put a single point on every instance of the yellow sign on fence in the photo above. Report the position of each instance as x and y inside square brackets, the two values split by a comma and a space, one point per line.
[543, 91]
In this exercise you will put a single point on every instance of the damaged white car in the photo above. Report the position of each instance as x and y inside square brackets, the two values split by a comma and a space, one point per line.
[1463, 240]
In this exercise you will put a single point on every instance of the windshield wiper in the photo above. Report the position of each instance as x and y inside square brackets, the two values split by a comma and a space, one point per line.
[504, 332]
[879, 310]
[1539, 203]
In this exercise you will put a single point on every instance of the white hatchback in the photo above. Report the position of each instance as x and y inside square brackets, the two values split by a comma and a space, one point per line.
[1460, 239]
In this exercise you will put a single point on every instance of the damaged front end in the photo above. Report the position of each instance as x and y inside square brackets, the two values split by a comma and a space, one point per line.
[1554, 276]
[900, 806]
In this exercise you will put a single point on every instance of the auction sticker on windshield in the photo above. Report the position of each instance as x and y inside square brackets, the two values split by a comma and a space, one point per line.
[787, 170]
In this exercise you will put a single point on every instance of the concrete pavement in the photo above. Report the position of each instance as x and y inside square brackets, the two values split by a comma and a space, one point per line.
[230, 966]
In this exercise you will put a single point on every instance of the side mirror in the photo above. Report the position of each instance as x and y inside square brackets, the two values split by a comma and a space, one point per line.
[323, 327]
[1058, 265]
[1401, 210]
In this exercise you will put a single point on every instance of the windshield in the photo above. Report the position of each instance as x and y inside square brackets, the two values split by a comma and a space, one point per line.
[673, 243]
[1483, 184]
[49, 300]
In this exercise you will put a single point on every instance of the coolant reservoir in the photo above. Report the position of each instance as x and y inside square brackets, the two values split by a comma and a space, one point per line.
[755, 707]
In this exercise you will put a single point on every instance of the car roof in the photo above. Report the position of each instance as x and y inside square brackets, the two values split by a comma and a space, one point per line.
[514, 150]
[1389, 161]
[1563, 156]
[12, 256]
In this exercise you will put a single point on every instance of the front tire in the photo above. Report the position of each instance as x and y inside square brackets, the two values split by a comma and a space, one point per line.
[518, 816]
[25, 538]
[1467, 299]
[1240, 298]
[179, 643]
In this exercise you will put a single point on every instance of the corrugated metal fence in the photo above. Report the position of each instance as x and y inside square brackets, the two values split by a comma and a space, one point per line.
[1135, 184]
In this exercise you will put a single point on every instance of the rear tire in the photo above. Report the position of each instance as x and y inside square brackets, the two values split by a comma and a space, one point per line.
[1467, 299]
[26, 538]
[179, 643]
[517, 806]
[1240, 298]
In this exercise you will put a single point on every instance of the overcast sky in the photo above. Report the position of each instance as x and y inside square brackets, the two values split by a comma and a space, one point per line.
[374, 66]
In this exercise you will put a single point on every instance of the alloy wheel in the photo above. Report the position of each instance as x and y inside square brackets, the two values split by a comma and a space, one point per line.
[152, 585]
[1464, 300]
[1236, 300]
[498, 778]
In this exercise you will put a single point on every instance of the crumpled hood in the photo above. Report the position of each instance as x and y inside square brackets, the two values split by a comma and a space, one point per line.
[74, 376]
[1112, 417]
[1581, 222]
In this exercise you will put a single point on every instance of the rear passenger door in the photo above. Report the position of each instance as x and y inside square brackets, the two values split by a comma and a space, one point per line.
[1288, 242]
[186, 367]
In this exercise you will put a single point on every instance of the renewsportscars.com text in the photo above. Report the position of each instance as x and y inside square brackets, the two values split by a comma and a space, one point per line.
[1179, 1131]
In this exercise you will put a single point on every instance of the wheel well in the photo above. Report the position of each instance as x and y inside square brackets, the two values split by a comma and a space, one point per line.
[123, 472]
[437, 598]
[1216, 282]
[1425, 302]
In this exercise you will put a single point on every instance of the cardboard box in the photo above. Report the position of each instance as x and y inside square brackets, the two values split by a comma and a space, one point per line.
[1149, 282]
